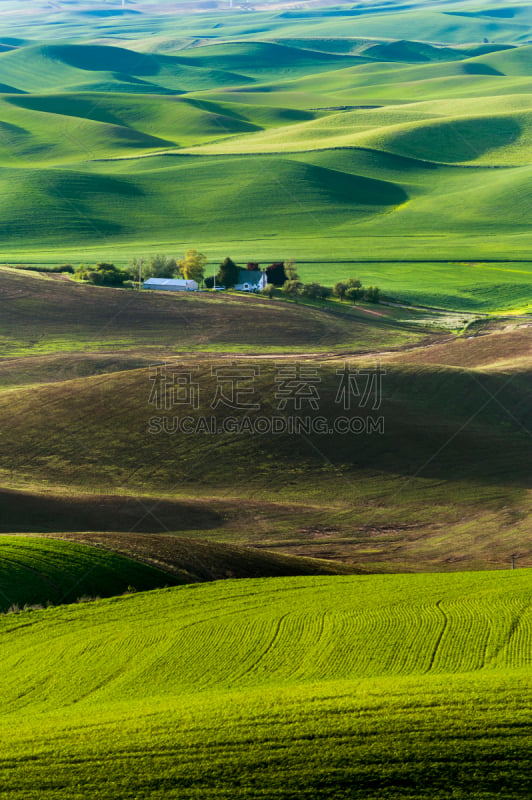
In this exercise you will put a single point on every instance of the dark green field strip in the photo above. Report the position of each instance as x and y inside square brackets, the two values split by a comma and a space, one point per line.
[40, 571]
[37, 570]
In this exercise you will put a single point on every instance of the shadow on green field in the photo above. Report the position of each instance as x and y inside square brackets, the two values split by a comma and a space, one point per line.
[103, 58]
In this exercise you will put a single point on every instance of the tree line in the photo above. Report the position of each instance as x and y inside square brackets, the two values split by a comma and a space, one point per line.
[351, 290]
[282, 275]
[191, 267]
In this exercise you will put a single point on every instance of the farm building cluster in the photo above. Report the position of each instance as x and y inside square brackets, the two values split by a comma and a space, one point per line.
[251, 279]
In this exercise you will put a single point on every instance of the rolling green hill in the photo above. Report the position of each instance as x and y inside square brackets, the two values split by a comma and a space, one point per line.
[43, 571]
[270, 119]
[312, 200]
[395, 686]
[38, 68]
[40, 571]
[315, 451]
[397, 22]
[448, 23]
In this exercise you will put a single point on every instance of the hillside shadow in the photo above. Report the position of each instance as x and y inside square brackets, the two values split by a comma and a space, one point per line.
[6, 89]
[28, 512]
[473, 68]
[101, 58]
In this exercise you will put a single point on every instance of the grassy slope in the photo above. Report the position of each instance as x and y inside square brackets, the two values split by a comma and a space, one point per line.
[306, 201]
[116, 438]
[430, 24]
[34, 570]
[44, 316]
[398, 687]
[418, 494]
[337, 195]
[37, 570]
[276, 688]
[503, 349]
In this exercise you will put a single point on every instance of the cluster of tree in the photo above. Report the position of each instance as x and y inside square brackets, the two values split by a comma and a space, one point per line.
[314, 291]
[283, 274]
[103, 274]
[353, 290]
[191, 266]
[280, 274]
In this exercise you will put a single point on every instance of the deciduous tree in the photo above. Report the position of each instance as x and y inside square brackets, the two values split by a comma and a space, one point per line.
[290, 270]
[160, 266]
[227, 274]
[276, 274]
[354, 293]
[372, 294]
[293, 289]
[192, 266]
[340, 289]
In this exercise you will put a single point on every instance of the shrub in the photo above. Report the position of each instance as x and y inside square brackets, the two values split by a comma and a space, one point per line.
[269, 290]
[372, 294]
[354, 293]
[104, 274]
[293, 289]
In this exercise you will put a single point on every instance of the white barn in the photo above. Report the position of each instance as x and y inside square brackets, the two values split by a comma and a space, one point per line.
[171, 284]
[251, 280]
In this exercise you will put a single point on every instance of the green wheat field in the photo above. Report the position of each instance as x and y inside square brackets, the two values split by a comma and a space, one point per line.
[365, 687]
[275, 134]
[199, 612]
